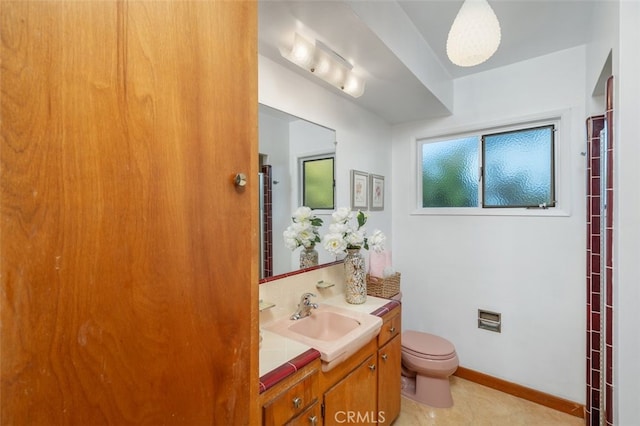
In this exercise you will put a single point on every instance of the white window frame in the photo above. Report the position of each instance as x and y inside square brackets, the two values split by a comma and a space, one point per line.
[562, 149]
[315, 156]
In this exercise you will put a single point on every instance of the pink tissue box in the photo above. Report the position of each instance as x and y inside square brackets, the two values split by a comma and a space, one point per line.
[378, 262]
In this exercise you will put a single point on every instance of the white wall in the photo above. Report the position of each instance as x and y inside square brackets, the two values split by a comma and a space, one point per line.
[363, 138]
[627, 217]
[530, 269]
[603, 40]
[274, 142]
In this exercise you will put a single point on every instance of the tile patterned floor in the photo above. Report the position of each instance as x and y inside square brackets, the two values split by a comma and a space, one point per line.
[479, 405]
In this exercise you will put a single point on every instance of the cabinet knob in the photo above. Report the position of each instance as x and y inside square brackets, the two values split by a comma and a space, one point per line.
[372, 367]
[313, 420]
[384, 357]
[241, 179]
[297, 402]
[392, 329]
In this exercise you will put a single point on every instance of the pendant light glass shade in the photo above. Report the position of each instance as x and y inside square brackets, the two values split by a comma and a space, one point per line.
[474, 35]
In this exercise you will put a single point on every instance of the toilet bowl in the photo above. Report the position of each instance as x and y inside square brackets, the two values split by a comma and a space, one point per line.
[427, 363]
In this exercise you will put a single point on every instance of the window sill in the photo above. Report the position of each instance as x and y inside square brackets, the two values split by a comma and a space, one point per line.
[477, 211]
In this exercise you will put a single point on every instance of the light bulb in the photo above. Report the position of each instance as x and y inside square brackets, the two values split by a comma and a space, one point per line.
[302, 52]
[322, 66]
[337, 75]
[354, 86]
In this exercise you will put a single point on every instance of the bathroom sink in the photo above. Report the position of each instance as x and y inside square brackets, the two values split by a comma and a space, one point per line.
[324, 325]
[335, 332]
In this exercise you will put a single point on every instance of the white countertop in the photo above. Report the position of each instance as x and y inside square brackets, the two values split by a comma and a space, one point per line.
[276, 350]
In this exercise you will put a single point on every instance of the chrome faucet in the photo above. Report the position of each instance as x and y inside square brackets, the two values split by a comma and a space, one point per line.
[304, 307]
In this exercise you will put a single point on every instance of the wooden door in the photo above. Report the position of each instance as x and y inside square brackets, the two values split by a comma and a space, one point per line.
[353, 399]
[128, 256]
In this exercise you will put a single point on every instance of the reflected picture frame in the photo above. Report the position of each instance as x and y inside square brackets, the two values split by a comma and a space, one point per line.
[376, 194]
[359, 190]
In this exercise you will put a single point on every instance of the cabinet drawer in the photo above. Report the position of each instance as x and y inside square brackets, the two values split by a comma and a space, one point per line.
[310, 417]
[390, 328]
[291, 402]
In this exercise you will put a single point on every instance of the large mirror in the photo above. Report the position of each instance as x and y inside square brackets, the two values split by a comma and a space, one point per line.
[286, 142]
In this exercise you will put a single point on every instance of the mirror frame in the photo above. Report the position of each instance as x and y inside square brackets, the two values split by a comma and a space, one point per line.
[299, 271]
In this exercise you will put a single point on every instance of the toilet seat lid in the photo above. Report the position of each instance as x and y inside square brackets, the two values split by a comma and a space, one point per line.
[425, 345]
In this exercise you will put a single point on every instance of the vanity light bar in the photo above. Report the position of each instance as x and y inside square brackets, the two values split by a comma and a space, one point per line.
[326, 64]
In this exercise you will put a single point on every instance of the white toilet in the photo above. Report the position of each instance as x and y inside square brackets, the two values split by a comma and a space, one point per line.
[427, 363]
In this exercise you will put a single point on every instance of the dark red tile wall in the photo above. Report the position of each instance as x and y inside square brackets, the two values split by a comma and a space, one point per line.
[592, 406]
[599, 365]
[268, 221]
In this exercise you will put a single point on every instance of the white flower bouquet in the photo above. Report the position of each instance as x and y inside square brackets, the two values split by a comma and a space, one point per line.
[345, 235]
[304, 229]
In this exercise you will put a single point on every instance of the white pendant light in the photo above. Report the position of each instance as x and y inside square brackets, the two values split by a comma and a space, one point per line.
[474, 35]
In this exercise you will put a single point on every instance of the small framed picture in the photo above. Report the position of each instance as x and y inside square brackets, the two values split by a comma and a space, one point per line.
[376, 196]
[359, 190]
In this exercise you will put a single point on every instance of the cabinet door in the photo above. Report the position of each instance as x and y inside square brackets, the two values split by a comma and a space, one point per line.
[353, 399]
[389, 382]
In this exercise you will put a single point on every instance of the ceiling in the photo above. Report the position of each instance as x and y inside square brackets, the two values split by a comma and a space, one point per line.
[399, 46]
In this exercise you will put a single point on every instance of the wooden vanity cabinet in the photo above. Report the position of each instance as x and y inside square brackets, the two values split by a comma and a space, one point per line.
[367, 386]
[389, 370]
[364, 389]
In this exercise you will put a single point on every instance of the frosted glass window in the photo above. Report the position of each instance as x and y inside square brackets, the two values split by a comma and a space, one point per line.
[514, 168]
[518, 168]
[318, 183]
[450, 173]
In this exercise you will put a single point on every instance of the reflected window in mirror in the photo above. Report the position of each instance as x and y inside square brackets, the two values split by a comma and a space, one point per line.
[318, 181]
